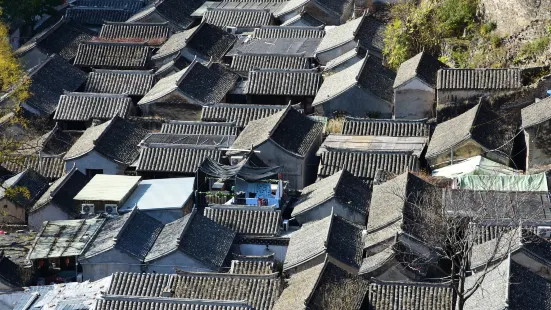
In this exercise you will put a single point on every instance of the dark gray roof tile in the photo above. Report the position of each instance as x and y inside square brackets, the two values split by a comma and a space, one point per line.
[423, 66]
[154, 34]
[305, 47]
[51, 167]
[246, 220]
[237, 17]
[410, 295]
[122, 303]
[199, 128]
[132, 82]
[385, 127]
[112, 55]
[130, 5]
[89, 106]
[178, 12]
[283, 82]
[34, 184]
[449, 79]
[536, 113]
[240, 114]
[370, 34]
[175, 159]
[139, 235]
[97, 16]
[252, 267]
[268, 32]
[245, 63]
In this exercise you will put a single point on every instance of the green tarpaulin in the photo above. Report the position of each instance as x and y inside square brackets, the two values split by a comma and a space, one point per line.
[524, 183]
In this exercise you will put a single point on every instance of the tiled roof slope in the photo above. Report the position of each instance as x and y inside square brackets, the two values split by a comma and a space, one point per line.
[365, 165]
[305, 47]
[332, 235]
[481, 124]
[414, 296]
[259, 291]
[155, 34]
[385, 127]
[49, 80]
[339, 35]
[116, 139]
[62, 38]
[132, 82]
[34, 184]
[268, 32]
[536, 113]
[288, 128]
[283, 82]
[14, 275]
[112, 55]
[479, 79]
[423, 66]
[343, 186]
[240, 114]
[88, 106]
[178, 12]
[51, 167]
[245, 63]
[377, 78]
[237, 18]
[370, 34]
[199, 128]
[176, 160]
[62, 192]
[165, 304]
[251, 267]
[245, 220]
[97, 16]
[129, 5]
[304, 18]
[205, 40]
[299, 288]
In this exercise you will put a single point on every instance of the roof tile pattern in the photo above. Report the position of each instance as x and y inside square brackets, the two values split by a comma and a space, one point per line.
[199, 128]
[86, 106]
[536, 113]
[414, 296]
[288, 32]
[112, 55]
[237, 18]
[179, 12]
[133, 83]
[479, 79]
[365, 165]
[136, 284]
[146, 32]
[385, 127]
[240, 114]
[246, 63]
[163, 304]
[422, 66]
[177, 160]
[252, 267]
[139, 235]
[52, 167]
[97, 16]
[245, 220]
[284, 82]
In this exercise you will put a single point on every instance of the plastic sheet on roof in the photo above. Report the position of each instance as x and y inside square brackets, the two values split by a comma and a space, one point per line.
[522, 183]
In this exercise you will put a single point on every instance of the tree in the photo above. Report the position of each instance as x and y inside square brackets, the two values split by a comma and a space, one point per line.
[27, 11]
[452, 222]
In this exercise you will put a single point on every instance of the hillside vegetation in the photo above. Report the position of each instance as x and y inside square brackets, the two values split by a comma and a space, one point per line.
[454, 31]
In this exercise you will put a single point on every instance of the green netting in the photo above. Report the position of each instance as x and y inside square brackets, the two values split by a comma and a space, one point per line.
[525, 183]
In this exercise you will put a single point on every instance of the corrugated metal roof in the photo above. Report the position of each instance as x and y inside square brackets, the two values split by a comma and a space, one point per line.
[107, 187]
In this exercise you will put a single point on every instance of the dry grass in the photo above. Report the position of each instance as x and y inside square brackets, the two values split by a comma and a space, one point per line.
[334, 125]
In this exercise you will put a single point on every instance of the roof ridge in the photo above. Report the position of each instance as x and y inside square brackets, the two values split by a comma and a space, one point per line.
[312, 70]
[125, 225]
[53, 28]
[107, 127]
[173, 300]
[136, 23]
[200, 123]
[65, 179]
[276, 125]
[320, 275]
[181, 273]
[85, 94]
[143, 72]
[188, 224]
[210, 9]
[245, 106]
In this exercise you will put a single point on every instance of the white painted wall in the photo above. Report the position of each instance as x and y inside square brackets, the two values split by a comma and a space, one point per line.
[94, 160]
[180, 260]
[414, 100]
[51, 212]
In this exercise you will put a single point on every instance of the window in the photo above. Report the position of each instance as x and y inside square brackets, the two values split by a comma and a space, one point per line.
[92, 172]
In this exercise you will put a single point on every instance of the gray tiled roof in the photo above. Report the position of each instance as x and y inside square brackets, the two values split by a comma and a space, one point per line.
[332, 235]
[259, 291]
[377, 79]
[364, 165]
[123, 303]
[288, 128]
[157, 139]
[175, 159]
[495, 249]
[244, 63]
[154, 34]
[199, 128]
[201, 84]
[283, 82]
[385, 127]
[338, 83]
[97, 16]
[116, 139]
[268, 32]
[240, 114]
[246, 220]
[304, 18]
[205, 40]
[481, 124]
[178, 12]
[132, 82]
[422, 66]
[299, 288]
[62, 192]
[51, 167]
[414, 296]
[536, 113]
[336, 8]
[370, 34]
[49, 80]
[375, 261]
[339, 35]
[305, 47]
[34, 184]
[349, 58]
[62, 38]
[350, 191]
[112, 55]
[88, 106]
[64, 238]
[130, 5]
[449, 79]
[252, 267]
[237, 17]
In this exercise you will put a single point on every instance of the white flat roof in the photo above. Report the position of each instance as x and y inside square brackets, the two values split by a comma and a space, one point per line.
[107, 187]
[160, 194]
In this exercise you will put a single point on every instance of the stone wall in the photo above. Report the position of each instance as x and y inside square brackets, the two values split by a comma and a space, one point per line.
[512, 15]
